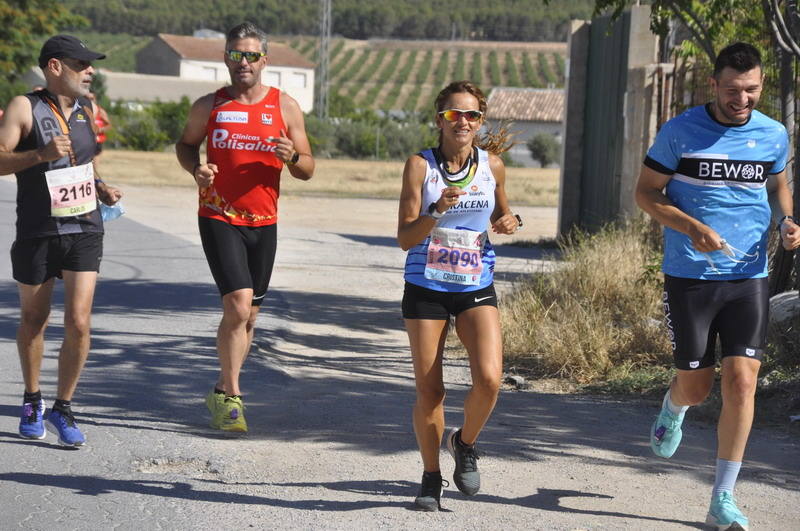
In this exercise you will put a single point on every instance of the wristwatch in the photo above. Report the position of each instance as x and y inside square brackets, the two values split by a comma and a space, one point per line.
[784, 218]
[519, 221]
[294, 158]
[432, 212]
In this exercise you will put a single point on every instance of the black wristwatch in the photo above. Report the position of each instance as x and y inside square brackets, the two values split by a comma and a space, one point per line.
[294, 158]
[519, 221]
[432, 212]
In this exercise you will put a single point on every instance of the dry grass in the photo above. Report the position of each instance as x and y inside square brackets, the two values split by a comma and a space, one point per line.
[599, 311]
[333, 177]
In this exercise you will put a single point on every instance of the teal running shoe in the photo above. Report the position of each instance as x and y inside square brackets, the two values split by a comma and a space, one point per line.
[666, 434]
[723, 515]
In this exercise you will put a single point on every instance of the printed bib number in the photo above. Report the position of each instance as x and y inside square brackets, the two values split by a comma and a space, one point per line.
[71, 190]
[454, 255]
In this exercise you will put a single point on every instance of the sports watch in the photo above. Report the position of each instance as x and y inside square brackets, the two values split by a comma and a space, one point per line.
[294, 158]
[432, 212]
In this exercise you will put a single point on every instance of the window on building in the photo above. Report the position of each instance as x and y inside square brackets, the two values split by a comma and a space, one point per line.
[271, 78]
[297, 80]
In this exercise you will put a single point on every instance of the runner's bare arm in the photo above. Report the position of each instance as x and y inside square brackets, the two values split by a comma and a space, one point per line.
[187, 148]
[295, 140]
[503, 220]
[650, 198]
[411, 227]
[777, 185]
[17, 124]
[790, 231]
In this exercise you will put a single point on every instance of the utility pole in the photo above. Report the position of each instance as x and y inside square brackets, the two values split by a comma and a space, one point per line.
[323, 57]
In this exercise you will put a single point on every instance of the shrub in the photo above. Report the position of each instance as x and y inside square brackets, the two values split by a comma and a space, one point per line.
[596, 311]
[544, 149]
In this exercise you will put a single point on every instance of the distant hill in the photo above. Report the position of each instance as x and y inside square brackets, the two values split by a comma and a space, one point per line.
[394, 74]
[501, 20]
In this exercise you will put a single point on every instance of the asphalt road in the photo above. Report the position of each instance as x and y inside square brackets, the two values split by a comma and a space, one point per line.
[328, 394]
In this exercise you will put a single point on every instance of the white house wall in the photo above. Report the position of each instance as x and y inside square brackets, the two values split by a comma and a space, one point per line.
[297, 82]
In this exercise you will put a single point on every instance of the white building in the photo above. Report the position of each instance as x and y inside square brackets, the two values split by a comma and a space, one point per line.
[201, 59]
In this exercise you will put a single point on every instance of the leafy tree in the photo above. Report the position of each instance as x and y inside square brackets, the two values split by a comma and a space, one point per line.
[544, 148]
[23, 24]
[98, 88]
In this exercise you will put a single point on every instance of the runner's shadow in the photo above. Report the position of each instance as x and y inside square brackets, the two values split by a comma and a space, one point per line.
[551, 500]
[95, 486]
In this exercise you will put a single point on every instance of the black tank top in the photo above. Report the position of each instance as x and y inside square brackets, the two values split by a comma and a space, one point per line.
[33, 198]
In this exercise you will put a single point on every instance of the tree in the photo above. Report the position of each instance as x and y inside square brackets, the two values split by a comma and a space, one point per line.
[23, 23]
[544, 149]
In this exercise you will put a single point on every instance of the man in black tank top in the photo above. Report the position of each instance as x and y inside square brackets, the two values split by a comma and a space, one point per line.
[47, 139]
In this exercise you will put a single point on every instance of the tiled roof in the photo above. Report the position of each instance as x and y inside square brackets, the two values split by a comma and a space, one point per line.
[524, 104]
[213, 49]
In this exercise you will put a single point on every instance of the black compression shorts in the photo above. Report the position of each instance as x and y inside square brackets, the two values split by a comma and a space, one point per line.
[697, 311]
[36, 260]
[239, 257]
[424, 303]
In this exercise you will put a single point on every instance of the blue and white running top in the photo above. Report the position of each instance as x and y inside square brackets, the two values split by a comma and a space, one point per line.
[457, 256]
[719, 176]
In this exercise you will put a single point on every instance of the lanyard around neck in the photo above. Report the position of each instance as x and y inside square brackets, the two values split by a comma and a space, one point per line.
[63, 125]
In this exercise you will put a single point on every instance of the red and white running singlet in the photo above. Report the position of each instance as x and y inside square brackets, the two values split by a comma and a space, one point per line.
[246, 188]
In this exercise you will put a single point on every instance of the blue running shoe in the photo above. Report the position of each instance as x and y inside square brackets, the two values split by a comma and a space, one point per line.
[723, 514]
[666, 434]
[62, 423]
[31, 423]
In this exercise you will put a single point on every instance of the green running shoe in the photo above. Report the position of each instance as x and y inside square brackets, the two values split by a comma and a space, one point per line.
[723, 514]
[214, 403]
[666, 434]
[232, 415]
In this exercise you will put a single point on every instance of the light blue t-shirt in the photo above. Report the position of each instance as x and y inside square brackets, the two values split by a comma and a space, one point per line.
[719, 176]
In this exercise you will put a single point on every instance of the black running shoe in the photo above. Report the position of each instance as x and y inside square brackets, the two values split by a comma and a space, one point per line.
[430, 493]
[466, 477]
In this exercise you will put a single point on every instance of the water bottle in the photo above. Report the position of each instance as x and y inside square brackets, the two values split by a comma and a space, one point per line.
[111, 212]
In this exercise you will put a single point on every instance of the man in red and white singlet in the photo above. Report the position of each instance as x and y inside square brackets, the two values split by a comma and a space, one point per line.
[252, 132]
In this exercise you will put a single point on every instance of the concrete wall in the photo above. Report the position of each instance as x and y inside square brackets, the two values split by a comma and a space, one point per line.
[572, 127]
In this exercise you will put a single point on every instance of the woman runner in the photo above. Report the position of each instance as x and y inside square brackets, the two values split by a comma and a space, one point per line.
[450, 195]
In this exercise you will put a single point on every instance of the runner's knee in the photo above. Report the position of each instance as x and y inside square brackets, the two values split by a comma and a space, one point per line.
[429, 397]
[740, 386]
[237, 306]
[78, 324]
[34, 320]
[486, 384]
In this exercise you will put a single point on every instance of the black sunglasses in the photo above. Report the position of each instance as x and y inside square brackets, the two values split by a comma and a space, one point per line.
[251, 57]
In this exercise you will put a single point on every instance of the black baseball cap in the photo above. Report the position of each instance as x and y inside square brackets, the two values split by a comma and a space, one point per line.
[68, 46]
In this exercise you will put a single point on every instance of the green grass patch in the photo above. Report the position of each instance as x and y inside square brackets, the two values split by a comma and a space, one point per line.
[476, 69]
[494, 69]
[546, 71]
[424, 68]
[120, 48]
[512, 73]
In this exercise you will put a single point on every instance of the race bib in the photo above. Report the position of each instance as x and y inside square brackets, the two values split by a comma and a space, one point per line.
[454, 255]
[71, 190]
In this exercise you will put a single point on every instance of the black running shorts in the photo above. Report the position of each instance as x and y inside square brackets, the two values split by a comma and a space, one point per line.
[36, 260]
[239, 257]
[697, 311]
[424, 303]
